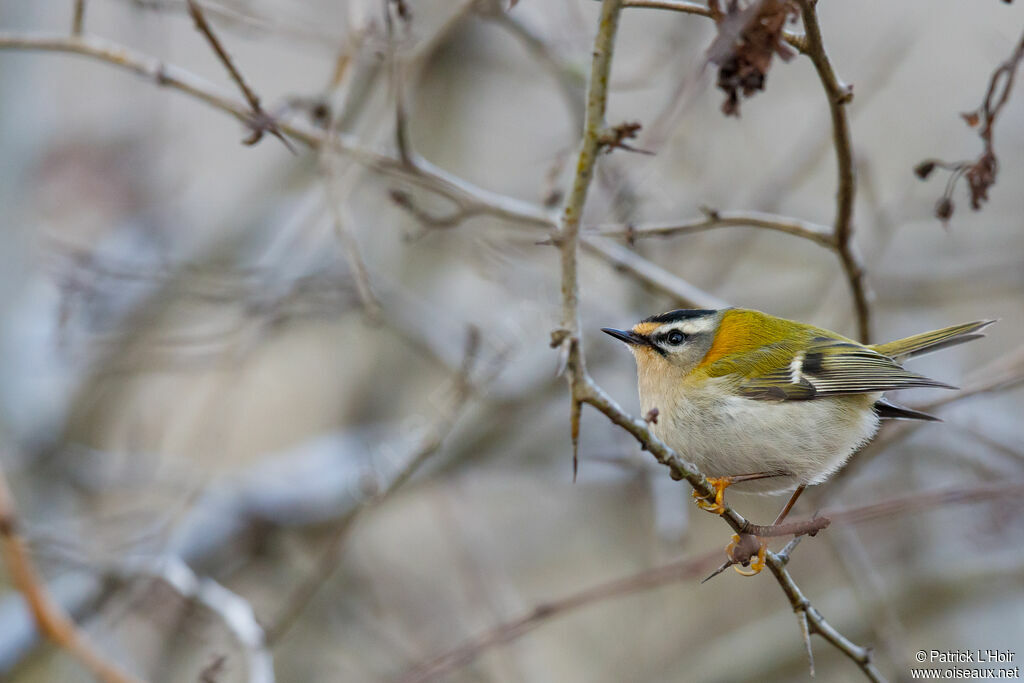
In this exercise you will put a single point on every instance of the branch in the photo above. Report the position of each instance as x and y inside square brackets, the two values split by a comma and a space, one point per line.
[78, 21]
[691, 568]
[702, 11]
[648, 273]
[50, 618]
[713, 219]
[582, 389]
[515, 628]
[258, 120]
[673, 5]
[839, 95]
[300, 598]
[980, 173]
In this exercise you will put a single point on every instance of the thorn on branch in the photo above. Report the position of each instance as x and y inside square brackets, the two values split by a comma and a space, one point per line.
[615, 137]
[558, 337]
[749, 36]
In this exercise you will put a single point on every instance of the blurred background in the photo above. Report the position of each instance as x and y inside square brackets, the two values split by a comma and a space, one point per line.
[293, 414]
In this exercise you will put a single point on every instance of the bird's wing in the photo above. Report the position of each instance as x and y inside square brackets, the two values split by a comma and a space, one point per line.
[828, 367]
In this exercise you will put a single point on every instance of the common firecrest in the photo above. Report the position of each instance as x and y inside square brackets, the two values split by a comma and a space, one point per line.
[770, 404]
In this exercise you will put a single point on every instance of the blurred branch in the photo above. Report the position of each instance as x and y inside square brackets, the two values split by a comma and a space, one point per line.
[346, 235]
[470, 199]
[78, 21]
[700, 10]
[1002, 374]
[49, 617]
[691, 568]
[839, 95]
[713, 219]
[513, 629]
[235, 613]
[648, 273]
[300, 598]
[259, 120]
[674, 5]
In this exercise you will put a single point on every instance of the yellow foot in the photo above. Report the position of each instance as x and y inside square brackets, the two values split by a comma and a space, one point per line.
[757, 562]
[719, 484]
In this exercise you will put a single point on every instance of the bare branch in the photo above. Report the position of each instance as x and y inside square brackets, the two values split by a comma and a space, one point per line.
[78, 21]
[713, 219]
[508, 631]
[691, 568]
[51, 620]
[674, 5]
[980, 173]
[259, 121]
[300, 598]
[650, 274]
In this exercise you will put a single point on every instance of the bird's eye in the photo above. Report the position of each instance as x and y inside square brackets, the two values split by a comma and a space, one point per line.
[675, 338]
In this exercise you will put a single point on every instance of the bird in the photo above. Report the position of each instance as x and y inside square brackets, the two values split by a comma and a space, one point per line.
[767, 404]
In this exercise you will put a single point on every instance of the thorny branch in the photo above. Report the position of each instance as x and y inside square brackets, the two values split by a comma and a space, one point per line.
[980, 173]
[51, 620]
[583, 389]
[685, 569]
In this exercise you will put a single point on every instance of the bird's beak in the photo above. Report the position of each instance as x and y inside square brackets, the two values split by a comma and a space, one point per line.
[629, 337]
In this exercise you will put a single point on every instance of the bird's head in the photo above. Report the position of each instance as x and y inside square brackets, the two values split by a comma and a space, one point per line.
[675, 342]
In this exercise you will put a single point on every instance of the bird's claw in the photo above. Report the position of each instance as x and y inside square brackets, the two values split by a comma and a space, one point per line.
[741, 552]
[715, 505]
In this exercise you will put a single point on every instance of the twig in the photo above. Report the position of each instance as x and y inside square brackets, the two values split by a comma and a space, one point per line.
[470, 199]
[650, 274]
[980, 173]
[713, 219]
[682, 570]
[234, 612]
[1004, 373]
[346, 235]
[674, 5]
[259, 121]
[78, 21]
[51, 620]
[702, 11]
[839, 95]
[540, 614]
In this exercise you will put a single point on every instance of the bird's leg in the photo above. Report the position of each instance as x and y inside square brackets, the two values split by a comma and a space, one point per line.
[720, 484]
[789, 505]
[757, 563]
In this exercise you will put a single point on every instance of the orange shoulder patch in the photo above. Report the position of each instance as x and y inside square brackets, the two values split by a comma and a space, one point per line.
[733, 336]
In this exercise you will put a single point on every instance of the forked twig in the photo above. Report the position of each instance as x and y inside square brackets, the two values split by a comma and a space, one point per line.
[259, 120]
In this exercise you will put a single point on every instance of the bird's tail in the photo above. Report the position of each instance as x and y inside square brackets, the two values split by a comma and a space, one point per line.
[926, 342]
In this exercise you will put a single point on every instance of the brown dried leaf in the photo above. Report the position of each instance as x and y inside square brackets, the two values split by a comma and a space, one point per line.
[749, 35]
[981, 176]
